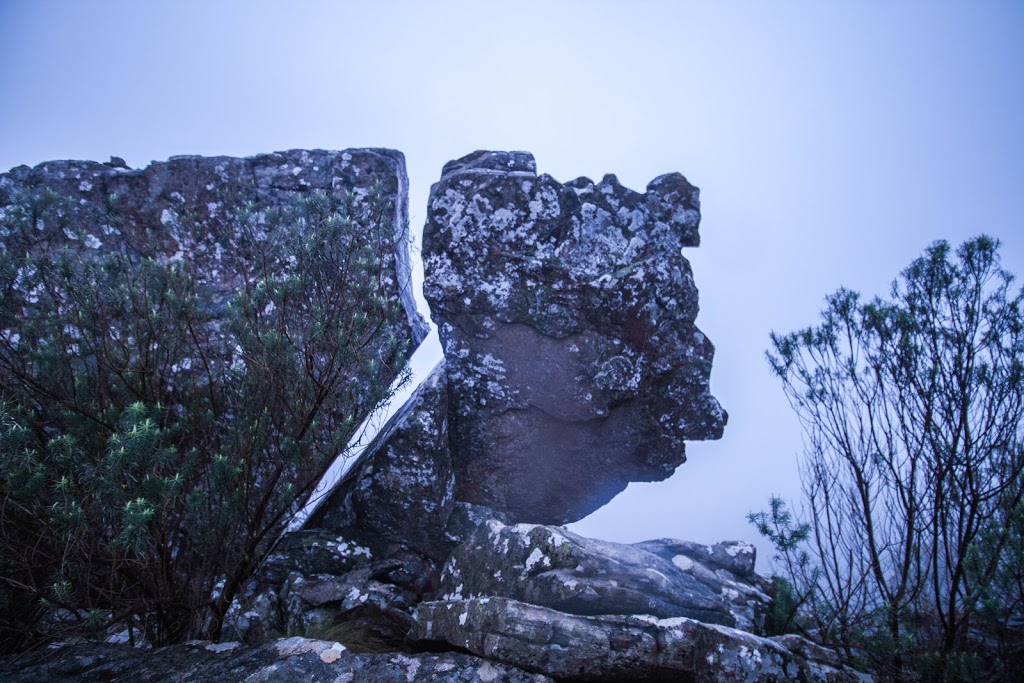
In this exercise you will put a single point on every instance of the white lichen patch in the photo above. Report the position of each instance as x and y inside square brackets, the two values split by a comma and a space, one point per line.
[537, 557]
[739, 548]
[333, 653]
[752, 654]
[487, 673]
[544, 205]
[222, 647]
[683, 562]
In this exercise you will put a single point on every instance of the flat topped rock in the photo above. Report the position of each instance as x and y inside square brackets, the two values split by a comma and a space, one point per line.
[188, 206]
[566, 313]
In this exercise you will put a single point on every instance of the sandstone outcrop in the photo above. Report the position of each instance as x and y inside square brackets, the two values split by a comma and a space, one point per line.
[621, 648]
[375, 547]
[572, 367]
[553, 567]
[566, 313]
[187, 209]
[401, 493]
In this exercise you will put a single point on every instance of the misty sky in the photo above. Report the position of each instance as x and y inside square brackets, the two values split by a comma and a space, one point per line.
[832, 143]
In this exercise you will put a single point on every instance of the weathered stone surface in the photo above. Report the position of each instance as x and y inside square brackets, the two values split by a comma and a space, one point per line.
[314, 551]
[466, 518]
[226, 221]
[291, 660]
[553, 567]
[189, 207]
[400, 495]
[316, 582]
[362, 601]
[620, 648]
[566, 313]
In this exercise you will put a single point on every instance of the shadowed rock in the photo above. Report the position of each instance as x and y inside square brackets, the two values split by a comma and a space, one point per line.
[400, 494]
[566, 313]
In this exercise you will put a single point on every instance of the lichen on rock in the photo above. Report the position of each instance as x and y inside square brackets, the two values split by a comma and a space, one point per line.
[566, 313]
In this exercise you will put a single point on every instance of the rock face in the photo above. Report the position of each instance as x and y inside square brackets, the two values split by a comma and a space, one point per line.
[553, 567]
[622, 648]
[187, 208]
[289, 660]
[566, 314]
[227, 222]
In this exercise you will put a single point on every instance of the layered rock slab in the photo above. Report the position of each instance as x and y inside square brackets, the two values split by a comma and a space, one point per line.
[566, 313]
[552, 567]
[621, 648]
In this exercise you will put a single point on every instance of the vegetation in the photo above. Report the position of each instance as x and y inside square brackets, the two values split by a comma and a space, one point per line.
[908, 555]
[158, 429]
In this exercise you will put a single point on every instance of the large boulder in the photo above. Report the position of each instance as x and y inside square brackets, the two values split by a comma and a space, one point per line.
[570, 647]
[566, 313]
[552, 567]
[319, 582]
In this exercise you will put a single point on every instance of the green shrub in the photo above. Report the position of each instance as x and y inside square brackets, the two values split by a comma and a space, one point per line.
[908, 557]
[156, 432]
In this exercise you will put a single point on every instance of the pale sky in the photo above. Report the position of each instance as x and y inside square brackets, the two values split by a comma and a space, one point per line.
[832, 143]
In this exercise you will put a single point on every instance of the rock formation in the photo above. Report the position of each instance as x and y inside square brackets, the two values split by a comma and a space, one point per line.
[572, 367]
[566, 314]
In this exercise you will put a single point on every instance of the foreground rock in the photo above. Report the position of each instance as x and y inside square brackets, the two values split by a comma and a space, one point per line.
[260, 306]
[553, 567]
[621, 648]
[292, 660]
[566, 313]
